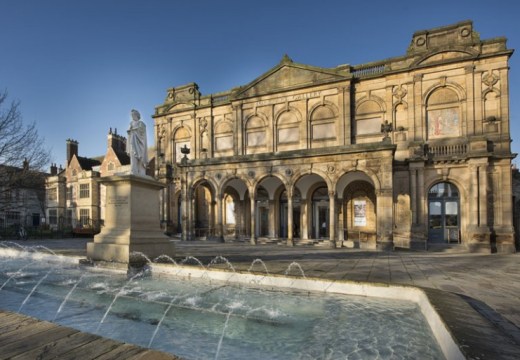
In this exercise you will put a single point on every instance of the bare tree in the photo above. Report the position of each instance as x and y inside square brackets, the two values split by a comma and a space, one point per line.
[23, 157]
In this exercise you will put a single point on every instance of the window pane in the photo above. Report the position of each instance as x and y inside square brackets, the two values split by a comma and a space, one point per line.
[368, 126]
[435, 208]
[451, 208]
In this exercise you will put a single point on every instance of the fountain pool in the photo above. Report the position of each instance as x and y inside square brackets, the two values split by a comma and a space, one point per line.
[206, 314]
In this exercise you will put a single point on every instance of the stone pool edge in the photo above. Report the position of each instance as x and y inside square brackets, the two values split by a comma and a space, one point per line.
[463, 331]
[460, 330]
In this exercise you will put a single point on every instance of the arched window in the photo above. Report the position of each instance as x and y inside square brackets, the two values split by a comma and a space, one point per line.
[443, 114]
[288, 130]
[224, 137]
[181, 139]
[369, 117]
[255, 135]
[323, 126]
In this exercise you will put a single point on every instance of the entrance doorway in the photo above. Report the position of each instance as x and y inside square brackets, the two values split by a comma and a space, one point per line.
[320, 212]
[443, 214]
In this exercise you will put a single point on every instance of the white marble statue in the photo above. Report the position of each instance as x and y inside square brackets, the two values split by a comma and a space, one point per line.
[137, 148]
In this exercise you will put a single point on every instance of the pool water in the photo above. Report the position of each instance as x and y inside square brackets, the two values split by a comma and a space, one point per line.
[199, 319]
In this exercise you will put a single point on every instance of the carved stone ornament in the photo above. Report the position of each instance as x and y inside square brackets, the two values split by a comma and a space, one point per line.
[218, 176]
[490, 79]
[203, 124]
[331, 169]
[162, 131]
[288, 172]
[420, 41]
[171, 95]
[400, 93]
[251, 174]
[465, 32]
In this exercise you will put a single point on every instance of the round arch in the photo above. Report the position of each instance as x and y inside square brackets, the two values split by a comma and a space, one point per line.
[202, 199]
[356, 175]
[459, 90]
[326, 104]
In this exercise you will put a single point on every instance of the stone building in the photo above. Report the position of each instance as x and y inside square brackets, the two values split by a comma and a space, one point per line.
[78, 198]
[22, 197]
[409, 151]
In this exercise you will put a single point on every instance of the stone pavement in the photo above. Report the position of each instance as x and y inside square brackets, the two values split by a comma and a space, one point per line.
[490, 283]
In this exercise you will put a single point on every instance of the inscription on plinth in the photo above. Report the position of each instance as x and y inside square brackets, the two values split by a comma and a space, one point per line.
[132, 221]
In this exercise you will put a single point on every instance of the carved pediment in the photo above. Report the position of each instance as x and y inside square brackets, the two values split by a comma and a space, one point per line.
[288, 75]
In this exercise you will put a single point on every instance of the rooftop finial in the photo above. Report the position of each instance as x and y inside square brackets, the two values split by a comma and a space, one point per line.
[286, 59]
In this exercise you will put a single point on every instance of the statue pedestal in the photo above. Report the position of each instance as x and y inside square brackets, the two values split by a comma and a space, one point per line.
[132, 221]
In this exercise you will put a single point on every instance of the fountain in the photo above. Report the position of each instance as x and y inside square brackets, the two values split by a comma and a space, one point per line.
[200, 313]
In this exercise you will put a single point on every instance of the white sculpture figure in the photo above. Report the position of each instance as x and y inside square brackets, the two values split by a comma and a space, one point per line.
[137, 148]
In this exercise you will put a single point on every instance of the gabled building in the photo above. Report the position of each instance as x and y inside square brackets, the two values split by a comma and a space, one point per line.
[410, 151]
[79, 203]
[22, 197]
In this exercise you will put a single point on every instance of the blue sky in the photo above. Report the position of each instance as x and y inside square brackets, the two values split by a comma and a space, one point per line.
[79, 67]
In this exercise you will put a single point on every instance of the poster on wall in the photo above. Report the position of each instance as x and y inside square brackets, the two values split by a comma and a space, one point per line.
[443, 123]
[360, 218]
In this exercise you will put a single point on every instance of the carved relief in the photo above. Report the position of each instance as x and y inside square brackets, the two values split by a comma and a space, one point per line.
[490, 79]
[399, 93]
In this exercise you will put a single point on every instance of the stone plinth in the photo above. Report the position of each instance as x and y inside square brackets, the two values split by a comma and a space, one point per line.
[132, 221]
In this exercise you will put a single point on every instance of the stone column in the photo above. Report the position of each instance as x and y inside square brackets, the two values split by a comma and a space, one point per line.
[332, 218]
[167, 205]
[243, 218]
[503, 208]
[239, 130]
[191, 214]
[421, 206]
[304, 219]
[470, 103]
[219, 233]
[474, 203]
[341, 223]
[184, 210]
[253, 221]
[413, 191]
[212, 217]
[290, 241]
[272, 218]
[483, 197]
[384, 219]
[478, 232]
[418, 125]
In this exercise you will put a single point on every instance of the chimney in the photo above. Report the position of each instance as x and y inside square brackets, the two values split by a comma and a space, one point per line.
[25, 164]
[54, 170]
[116, 142]
[72, 149]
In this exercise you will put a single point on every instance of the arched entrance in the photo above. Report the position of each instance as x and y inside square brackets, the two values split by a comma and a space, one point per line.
[262, 211]
[360, 213]
[443, 213]
[203, 211]
[320, 213]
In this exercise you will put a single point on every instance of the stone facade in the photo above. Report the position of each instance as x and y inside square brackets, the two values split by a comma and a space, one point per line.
[79, 203]
[407, 152]
[22, 197]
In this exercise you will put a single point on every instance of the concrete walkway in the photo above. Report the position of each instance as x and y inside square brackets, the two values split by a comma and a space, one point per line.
[490, 283]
